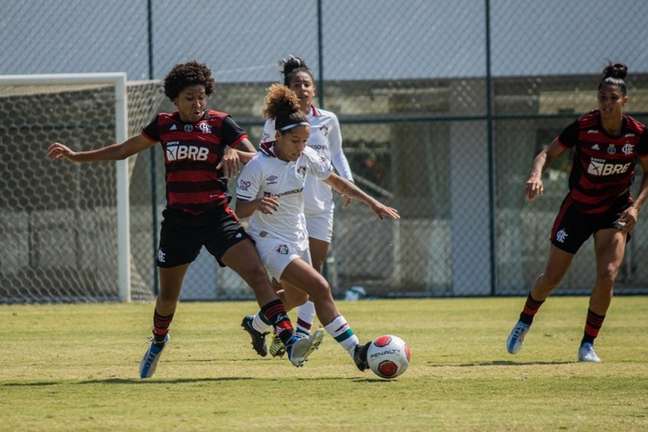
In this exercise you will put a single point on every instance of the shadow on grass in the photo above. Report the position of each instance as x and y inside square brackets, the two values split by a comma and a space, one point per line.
[502, 363]
[162, 381]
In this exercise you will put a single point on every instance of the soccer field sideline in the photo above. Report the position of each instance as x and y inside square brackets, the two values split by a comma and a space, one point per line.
[74, 367]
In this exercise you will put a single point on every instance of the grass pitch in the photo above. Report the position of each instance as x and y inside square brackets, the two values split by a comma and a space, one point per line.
[74, 368]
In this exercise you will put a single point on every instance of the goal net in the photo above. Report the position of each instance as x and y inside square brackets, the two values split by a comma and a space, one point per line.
[65, 227]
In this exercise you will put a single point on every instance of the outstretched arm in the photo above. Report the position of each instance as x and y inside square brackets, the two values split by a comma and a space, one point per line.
[347, 188]
[110, 152]
[534, 186]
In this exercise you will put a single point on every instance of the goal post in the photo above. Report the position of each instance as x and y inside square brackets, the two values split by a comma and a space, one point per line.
[38, 218]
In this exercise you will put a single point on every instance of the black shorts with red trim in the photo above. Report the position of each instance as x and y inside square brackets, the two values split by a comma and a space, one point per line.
[572, 227]
[184, 234]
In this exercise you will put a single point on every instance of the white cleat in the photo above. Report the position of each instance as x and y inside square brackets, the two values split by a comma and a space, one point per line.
[586, 353]
[516, 337]
[301, 347]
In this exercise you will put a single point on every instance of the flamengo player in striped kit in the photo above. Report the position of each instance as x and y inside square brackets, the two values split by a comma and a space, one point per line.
[607, 144]
[201, 147]
[271, 190]
[326, 139]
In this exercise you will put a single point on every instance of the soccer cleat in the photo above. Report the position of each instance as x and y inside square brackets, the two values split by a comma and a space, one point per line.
[300, 347]
[360, 356]
[516, 337]
[586, 353]
[277, 348]
[150, 360]
[258, 338]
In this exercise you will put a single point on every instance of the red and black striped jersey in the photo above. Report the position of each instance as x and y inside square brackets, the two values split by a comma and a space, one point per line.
[191, 153]
[603, 165]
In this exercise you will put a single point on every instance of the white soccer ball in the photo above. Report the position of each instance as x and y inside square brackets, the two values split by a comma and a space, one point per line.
[388, 356]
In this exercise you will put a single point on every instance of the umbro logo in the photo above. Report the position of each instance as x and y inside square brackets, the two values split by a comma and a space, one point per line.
[173, 127]
[596, 147]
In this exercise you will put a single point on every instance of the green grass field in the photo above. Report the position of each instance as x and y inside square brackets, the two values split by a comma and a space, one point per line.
[74, 368]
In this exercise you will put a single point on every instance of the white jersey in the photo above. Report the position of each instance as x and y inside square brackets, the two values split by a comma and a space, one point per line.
[267, 175]
[325, 138]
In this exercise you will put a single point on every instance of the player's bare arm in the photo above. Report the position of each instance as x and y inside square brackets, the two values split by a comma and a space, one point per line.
[110, 152]
[630, 216]
[234, 157]
[534, 185]
[345, 187]
[266, 205]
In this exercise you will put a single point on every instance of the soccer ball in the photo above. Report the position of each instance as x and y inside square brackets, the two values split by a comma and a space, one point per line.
[388, 356]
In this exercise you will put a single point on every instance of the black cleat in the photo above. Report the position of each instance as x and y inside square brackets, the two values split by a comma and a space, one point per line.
[258, 338]
[360, 356]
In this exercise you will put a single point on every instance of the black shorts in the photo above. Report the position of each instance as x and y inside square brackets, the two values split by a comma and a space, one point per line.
[183, 235]
[572, 227]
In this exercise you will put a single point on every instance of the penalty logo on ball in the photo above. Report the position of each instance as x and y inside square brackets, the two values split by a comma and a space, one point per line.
[388, 356]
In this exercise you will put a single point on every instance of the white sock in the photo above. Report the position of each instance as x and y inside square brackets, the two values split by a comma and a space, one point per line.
[305, 317]
[259, 325]
[340, 330]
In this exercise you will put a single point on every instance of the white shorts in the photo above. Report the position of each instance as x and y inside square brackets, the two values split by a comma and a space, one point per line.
[320, 225]
[277, 254]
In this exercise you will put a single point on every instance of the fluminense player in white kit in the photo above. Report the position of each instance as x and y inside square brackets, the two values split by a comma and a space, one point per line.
[270, 191]
[326, 139]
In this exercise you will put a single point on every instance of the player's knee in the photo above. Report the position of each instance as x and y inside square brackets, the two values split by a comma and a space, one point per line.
[321, 291]
[607, 274]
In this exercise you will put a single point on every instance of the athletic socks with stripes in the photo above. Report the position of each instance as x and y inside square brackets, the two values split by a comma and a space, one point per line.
[305, 317]
[161, 325]
[531, 307]
[274, 314]
[340, 330]
[592, 326]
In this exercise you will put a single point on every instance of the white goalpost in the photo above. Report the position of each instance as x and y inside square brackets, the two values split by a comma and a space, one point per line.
[67, 100]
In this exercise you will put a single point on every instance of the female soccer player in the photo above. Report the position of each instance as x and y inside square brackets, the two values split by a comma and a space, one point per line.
[199, 145]
[325, 138]
[607, 144]
[271, 191]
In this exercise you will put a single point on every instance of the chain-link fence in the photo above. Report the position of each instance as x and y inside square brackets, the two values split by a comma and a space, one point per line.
[443, 106]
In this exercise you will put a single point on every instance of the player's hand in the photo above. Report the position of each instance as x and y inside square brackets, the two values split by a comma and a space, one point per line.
[534, 188]
[59, 151]
[268, 205]
[628, 219]
[384, 211]
[230, 163]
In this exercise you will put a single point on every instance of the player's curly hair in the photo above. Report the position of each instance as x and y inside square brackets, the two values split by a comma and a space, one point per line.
[184, 75]
[291, 65]
[614, 74]
[282, 104]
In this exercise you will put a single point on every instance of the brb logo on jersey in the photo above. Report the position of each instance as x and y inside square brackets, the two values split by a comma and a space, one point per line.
[175, 151]
[599, 167]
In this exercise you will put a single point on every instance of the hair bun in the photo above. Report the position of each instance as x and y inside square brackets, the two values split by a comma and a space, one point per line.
[615, 70]
[290, 63]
